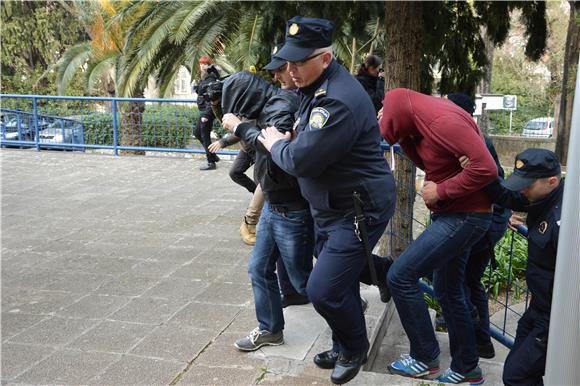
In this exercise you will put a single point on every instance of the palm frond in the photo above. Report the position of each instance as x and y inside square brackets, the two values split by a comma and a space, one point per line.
[70, 63]
[97, 71]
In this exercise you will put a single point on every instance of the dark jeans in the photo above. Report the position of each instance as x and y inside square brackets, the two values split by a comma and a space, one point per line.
[202, 133]
[475, 292]
[333, 287]
[242, 162]
[287, 236]
[442, 248]
[526, 362]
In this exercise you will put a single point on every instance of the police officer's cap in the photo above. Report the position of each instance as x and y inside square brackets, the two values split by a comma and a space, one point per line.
[530, 165]
[275, 62]
[303, 36]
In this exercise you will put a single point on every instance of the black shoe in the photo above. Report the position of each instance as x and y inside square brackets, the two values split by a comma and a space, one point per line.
[486, 351]
[347, 367]
[294, 300]
[382, 270]
[209, 166]
[215, 158]
[326, 359]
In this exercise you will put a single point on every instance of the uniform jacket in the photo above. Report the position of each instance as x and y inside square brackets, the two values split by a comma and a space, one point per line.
[251, 97]
[543, 229]
[434, 133]
[337, 150]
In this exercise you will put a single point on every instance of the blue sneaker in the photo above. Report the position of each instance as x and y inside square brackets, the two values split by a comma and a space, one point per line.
[474, 377]
[408, 366]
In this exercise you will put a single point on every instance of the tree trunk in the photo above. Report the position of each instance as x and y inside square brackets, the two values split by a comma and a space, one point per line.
[484, 86]
[132, 125]
[568, 82]
[404, 30]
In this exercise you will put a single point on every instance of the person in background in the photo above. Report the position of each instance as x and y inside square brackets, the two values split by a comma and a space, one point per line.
[204, 124]
[370, 76]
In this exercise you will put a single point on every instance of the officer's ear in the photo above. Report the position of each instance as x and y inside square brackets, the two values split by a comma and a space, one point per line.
[553, 181]
[326, 59]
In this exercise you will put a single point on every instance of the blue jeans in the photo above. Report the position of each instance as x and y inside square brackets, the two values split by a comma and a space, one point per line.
[289, 236]
[475, 293]
[442, 248]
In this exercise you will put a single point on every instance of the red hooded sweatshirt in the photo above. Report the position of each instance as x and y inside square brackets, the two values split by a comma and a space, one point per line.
[434, 133]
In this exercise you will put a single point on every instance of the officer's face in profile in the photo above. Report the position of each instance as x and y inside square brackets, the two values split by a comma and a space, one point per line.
[540, 188]
[306, 71]
[282, 75]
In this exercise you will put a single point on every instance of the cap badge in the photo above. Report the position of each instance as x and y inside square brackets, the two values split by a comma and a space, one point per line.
[318, 118]
[275, 50]
[293, 30]
[519, 164]
[543, 227]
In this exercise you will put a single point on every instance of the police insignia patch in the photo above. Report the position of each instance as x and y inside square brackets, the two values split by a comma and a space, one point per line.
[318, 118]
[519, 164]
[543, 227]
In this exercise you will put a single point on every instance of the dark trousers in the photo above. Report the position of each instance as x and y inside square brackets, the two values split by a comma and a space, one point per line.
[443, 248]
[526, 362]
[241, 164]
[333, 287]
[202, 133]
[476, 296]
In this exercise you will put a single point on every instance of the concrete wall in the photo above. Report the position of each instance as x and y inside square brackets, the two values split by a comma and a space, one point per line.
[509, 146]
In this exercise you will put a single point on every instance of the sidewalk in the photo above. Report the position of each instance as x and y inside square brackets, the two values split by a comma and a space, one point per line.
[130, 270]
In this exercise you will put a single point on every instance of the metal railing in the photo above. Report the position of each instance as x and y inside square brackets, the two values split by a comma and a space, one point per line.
[167, 125]
[82, 123]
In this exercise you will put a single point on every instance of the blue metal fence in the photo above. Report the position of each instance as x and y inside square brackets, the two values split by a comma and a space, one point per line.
[167, 125]
[81, 123]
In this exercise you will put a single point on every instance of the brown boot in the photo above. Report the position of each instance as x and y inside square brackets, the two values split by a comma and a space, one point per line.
[248, 233]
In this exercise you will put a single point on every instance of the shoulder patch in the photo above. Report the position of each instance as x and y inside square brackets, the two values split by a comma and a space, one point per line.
[320, 92]
[318, 118]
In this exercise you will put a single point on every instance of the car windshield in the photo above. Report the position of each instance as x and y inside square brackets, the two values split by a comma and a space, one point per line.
[536, 125]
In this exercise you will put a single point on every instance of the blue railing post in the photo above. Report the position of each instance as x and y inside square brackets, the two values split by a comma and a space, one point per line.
[115, 144]
[35, 117]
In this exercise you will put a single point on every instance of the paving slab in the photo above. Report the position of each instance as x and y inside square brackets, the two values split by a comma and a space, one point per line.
[149, 310]
[55, 331]
[111, 337]
[94, 306]
[17, 358]
[133, 370]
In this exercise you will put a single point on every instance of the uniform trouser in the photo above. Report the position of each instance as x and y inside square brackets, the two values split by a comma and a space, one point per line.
[255, 208]
[202, 133]
[526, 362]
[287, 236]
[241, 163]
[442, 248]
[333, 287]
[476, 295]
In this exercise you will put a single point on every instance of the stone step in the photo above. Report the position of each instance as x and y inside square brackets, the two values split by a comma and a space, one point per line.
[395, 342]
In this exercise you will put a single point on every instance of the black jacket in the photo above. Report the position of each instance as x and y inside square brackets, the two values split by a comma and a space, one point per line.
[375, 87]
[251, 97]
[543, 230]
[202, 99]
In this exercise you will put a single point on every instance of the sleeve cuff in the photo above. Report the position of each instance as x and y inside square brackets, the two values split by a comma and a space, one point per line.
[241, 128]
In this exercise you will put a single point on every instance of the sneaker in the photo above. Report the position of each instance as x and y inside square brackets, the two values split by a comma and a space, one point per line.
[474, 377]
[408, 366]
[259, 338]
[209, 166]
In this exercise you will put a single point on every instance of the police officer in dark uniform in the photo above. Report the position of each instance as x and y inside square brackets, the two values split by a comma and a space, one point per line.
[335, 153]
[535, 187]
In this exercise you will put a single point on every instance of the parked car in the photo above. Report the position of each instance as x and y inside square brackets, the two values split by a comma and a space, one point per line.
[19, 125]
[539, 128]
[64, 130]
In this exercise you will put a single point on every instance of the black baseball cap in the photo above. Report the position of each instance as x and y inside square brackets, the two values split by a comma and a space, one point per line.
[275, 62]
[303, 36]
[530, 165]
[462, 100]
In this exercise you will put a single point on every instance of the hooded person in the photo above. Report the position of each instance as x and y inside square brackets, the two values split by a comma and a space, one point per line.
[434, 133]
[285, 230]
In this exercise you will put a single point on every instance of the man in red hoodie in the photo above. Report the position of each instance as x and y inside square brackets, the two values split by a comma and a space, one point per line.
[434, 133]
